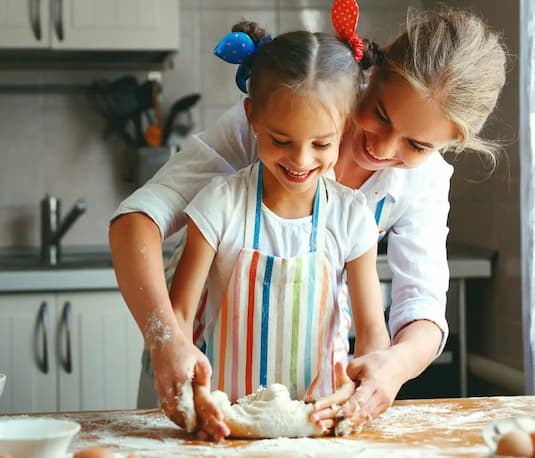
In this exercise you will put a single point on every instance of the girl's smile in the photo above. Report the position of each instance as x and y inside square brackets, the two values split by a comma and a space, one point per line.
[298, 140]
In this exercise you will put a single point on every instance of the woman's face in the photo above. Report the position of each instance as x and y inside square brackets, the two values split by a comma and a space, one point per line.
[396, 126]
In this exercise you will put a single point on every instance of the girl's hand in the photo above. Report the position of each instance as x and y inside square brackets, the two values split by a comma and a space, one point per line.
[327, 409]
[210, 419]
[173, 363]
[367, 390]
[379, 376]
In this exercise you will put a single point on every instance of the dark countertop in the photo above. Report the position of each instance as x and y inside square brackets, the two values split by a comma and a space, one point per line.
[90, 268]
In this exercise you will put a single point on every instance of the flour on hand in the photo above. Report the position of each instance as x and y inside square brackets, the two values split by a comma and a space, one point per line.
[186, 406]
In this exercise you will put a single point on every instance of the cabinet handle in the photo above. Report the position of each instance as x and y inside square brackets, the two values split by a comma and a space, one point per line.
[66, 323]
[35, 18]
[57, 7]
[42, 324]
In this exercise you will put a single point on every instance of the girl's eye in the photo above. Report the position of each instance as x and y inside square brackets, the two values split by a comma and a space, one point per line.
[380, 115]
[321, 145]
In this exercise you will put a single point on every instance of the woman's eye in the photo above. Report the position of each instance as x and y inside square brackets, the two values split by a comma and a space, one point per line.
[280, 142]
[321, 145]
[380, 115]
[415, 147]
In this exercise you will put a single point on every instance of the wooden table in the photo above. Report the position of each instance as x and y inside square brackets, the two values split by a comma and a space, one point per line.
[421, 428]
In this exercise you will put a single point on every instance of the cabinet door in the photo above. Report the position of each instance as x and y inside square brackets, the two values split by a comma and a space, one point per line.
[27, 353]
[115, 24]
[99, 352]
[24, 24]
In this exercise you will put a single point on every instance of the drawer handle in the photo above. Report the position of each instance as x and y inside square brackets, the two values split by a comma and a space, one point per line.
[66, 323]
[35, 18]
[58, 18]
[42, 324]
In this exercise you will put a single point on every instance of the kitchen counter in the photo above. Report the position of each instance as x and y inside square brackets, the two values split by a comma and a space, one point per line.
[420, 428]
[97, 273]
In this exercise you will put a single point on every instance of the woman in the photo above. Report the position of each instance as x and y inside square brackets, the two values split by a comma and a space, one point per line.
[433, 92]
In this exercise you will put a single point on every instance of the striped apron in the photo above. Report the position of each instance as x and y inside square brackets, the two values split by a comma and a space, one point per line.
[278, 321]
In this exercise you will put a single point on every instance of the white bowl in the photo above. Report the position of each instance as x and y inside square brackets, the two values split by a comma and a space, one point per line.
[36, 437]
[2, 383]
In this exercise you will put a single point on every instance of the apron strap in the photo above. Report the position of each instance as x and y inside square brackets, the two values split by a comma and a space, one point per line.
[381, 216]
[254, 207]
[253, 219]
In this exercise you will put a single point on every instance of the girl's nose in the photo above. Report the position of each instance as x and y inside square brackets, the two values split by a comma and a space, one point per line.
[300, 156]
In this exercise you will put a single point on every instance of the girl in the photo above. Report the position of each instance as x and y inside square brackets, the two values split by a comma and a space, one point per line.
[280, 240]
[434, 89]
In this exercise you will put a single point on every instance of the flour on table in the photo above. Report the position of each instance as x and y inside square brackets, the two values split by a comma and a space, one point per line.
[268, 413]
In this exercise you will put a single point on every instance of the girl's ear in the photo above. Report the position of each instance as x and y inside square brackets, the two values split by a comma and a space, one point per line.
[248, 107]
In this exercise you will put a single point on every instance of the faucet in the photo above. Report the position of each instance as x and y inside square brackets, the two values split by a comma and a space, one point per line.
[53, 229]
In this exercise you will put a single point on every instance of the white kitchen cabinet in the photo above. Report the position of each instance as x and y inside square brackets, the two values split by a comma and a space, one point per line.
[68, 352]
[89, 24]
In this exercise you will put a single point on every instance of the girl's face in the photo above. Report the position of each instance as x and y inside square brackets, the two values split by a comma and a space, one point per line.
[298, 139]
[396, 126]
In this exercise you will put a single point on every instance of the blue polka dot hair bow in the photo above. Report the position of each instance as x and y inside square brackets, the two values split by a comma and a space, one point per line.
[239, 48]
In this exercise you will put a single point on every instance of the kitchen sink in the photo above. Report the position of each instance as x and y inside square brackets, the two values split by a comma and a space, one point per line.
[30, 259]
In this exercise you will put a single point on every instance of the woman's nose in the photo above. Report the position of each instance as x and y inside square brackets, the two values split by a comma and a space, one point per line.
[385, 147]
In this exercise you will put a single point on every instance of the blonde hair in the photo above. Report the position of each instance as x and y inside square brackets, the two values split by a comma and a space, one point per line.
[453, 56]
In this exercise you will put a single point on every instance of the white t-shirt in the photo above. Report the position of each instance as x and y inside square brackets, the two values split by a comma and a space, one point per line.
[415, 213]
[219, 211]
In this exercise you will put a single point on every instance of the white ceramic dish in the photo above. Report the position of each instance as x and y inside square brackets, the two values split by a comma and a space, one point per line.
[36, 437]
[2, 383]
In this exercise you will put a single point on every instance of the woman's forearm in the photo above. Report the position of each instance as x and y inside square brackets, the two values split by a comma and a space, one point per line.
[416, 346]
[136, 248]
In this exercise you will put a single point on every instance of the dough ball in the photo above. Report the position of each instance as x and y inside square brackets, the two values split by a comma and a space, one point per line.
[93, 452]
[267, 413]
[515, 443]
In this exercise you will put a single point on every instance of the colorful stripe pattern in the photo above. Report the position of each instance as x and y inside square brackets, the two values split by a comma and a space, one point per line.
[276, 334]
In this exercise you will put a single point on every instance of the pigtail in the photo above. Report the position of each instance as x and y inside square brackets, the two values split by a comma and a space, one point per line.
[252, 29]
[373, 55]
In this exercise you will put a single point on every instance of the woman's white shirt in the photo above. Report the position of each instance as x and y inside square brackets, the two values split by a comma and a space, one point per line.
[414, 214]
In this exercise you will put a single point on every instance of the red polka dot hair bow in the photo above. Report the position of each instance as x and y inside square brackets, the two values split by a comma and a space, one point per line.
[345, 15]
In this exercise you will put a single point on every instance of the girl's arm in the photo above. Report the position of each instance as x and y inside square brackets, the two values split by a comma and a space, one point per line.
[367, 304]
[186, 289]
[190, 277]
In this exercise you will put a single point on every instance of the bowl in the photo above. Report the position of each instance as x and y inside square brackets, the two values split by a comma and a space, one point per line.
[36, 437]
[2, 383]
